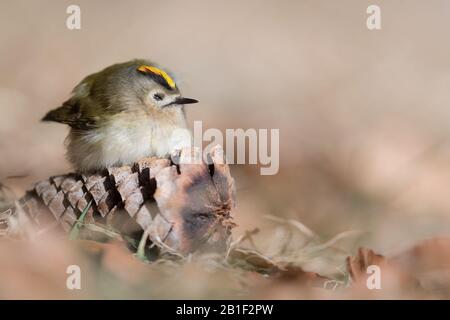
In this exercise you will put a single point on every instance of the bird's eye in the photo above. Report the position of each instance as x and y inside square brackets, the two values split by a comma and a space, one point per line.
[158, 96]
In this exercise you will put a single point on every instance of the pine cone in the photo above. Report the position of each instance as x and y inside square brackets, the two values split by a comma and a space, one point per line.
[182, 207]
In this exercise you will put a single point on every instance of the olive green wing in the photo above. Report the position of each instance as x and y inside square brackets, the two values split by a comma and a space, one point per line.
[79, 111]
[72, 114]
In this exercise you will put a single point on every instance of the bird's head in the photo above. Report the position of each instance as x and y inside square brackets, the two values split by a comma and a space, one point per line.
[157, 89]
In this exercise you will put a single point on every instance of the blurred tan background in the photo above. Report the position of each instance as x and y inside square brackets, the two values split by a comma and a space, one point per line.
[364, 116]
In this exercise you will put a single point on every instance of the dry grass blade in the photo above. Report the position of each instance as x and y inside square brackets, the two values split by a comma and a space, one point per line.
[140, 253]
[295, 223]
[75, 232]
[330, 243]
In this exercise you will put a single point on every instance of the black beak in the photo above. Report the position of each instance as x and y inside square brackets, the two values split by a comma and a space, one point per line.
[182, 100]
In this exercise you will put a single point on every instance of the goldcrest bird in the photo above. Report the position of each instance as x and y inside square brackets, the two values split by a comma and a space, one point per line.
[121, 114]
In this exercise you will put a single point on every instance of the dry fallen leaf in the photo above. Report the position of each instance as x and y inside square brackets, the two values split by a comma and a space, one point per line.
[425, 268]
[358, 264]
[429, 264]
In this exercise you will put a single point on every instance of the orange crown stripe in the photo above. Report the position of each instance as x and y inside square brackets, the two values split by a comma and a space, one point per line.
[159, 72]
